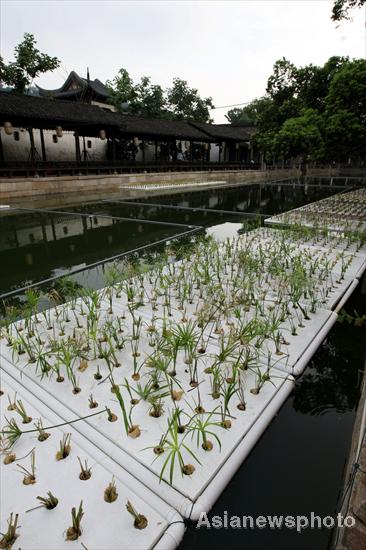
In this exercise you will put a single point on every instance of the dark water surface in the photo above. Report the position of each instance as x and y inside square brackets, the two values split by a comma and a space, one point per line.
[297, 466]
[38, 244]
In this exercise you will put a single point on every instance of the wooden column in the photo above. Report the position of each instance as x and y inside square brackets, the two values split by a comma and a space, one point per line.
[113, 149]
[191, 151]
[1, 149]
[32, 147]
[43, 148]
[156, 150]
[53, 229]
[77, 146]
[16, 238]
[85, 152]
[85, 228]
[143, 150]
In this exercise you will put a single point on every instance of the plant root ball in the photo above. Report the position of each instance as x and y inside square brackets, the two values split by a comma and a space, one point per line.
[134, 432]
[208, 446]
[140, 522]
[188, 469]
[73, 534]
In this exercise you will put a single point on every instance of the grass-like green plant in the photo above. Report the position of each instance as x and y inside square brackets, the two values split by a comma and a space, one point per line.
[173, 446]
[110, 492]
[49, 502]
[131, 429]
[65, 447]
[85, 470]
[29, 476]
[139, 520]
[200, 426]
[74, 532]
[9, 537]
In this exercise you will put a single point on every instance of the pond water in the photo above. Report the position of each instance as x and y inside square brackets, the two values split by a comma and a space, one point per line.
[36, 244]
[297, 467]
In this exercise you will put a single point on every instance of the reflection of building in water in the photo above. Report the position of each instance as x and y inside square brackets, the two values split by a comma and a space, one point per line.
[20, 231]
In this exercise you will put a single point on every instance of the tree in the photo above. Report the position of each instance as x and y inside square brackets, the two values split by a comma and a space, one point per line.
[240, 116]
[342, 8]
[296, 88]
[261, 112]
[313, 112]
[347, 90]
[186, 103]
[300, 137]
[345, 111]
[147, 99]
[122, 89]
[344, 135]
[150, 99]
[143, 98]
[282, 84]
[28, 64]
[313, 82]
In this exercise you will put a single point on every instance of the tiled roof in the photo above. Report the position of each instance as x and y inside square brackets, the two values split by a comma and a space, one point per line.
[40, 112]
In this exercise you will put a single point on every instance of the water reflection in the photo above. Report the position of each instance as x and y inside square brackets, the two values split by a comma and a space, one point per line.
[332, 380]
[40, 245]
[257, 198]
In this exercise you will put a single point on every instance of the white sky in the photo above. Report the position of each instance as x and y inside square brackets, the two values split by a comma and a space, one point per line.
[226, 49]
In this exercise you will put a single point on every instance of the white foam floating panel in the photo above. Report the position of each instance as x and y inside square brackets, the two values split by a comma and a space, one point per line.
[343, 211]
[328, 240]
[182, 419]
[110, 436]
[347, 253]
[104, 524]
[298, 339]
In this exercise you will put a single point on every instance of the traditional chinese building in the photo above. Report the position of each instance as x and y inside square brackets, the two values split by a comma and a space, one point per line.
[84, 90]
[74, 128]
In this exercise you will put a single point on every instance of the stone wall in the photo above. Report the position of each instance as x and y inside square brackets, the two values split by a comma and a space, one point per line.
[13, 188]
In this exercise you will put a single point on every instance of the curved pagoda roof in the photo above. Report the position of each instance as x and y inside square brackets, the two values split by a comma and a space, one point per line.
[78, 88]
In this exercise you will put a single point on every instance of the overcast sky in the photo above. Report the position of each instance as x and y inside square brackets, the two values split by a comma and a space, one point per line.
[226, 49]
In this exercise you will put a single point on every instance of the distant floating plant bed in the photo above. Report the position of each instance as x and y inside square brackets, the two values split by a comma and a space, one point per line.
[341, 212]
[154, 186]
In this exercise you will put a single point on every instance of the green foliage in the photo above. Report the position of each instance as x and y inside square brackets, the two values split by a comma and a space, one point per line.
[122, 87]
[356, 319]
[282, 84]
[29, 62]
[151, 97]
[258, 112]
[347, 89]
[240, 116]
[343, 134]
[147, 99]
[342, 8]
[313, 113]
[143, 98]
[185, 102]
[300, 135]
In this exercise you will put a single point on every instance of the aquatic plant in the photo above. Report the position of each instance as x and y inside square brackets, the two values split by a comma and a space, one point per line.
[74, 532]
